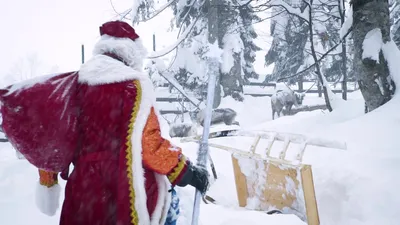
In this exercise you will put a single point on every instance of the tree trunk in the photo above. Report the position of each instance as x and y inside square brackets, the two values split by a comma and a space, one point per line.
[319, 88]
[344, 70]
[342, 11]
[213, 31]
[232, 82]
[373, 77]
[300, 84]
[314, 55]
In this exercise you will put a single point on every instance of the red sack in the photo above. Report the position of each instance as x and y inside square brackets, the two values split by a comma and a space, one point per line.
[40, 119]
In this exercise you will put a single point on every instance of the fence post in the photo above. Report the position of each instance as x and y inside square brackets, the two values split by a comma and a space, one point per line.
[83, 53]
[154, 42]
[300, 84]
[319, 89]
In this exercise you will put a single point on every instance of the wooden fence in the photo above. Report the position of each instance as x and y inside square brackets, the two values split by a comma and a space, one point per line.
[251, 84]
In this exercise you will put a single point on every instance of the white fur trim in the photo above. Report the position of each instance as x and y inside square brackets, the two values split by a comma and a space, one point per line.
[132, 52]
[164, 198]
[137, 168]
[168, 200]
[163, 201]
[102, 69]
[48, 199]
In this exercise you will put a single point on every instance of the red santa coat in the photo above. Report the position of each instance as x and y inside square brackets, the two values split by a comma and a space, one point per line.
[123, 167]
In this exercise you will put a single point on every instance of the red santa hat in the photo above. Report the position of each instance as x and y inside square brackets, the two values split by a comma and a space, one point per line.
[118, 29]
[121, 39]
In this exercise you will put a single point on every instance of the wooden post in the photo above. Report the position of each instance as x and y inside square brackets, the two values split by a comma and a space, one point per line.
[300, 84]
[83, 53]
[342, 9]
[319, 89]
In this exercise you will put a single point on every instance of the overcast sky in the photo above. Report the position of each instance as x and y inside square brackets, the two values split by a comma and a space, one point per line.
[55, 30]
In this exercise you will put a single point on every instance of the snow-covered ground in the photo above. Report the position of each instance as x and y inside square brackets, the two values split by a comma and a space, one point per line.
[357, 186]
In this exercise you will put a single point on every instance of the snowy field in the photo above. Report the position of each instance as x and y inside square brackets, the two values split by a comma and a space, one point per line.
[353, 187]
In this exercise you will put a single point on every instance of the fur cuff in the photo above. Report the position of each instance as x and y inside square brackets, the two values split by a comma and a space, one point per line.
[48, 198]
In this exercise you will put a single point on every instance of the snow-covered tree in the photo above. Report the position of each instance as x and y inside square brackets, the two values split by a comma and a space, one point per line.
[248, 35]
[235, 37]
[154, 68]
[190, 67]
[290, 51]
[290, 35]
[395, 20]
[371, 30]
[327, 24]
[314, 14]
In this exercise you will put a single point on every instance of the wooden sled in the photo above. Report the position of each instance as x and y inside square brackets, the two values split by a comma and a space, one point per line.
[266, 183]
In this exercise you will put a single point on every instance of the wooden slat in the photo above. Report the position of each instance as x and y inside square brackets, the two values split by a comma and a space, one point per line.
[305, 108]
[259, 95]
[309, 195]
[295, 138]
[166, 99]
[241, 183]
[316, 91]
[163, 112]
[261, 84]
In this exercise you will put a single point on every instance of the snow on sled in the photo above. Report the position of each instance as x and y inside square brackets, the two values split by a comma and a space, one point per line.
[267, 183]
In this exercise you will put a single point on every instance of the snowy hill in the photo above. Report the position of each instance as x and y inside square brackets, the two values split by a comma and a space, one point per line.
[357, 186]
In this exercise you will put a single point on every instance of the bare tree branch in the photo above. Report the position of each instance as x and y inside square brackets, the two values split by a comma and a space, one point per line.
[320, 59]
[258, 21]
[185, 17]
[158, 11]
[124, 14]
[176, 44]
[289, 9]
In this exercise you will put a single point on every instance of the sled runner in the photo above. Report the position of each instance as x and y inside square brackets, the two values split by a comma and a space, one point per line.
[274, 184]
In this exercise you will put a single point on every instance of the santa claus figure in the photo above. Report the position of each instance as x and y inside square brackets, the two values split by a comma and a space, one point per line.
[103, 120]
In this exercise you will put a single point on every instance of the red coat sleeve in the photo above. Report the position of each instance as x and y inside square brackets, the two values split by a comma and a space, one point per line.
[159, 154]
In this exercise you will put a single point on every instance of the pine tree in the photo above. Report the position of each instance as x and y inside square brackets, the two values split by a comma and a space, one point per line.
[291, 49]
[248, 35]
[235, 37]
[287, 52]
[189, 67]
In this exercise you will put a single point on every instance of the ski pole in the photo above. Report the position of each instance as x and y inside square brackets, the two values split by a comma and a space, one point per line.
[203, 148]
